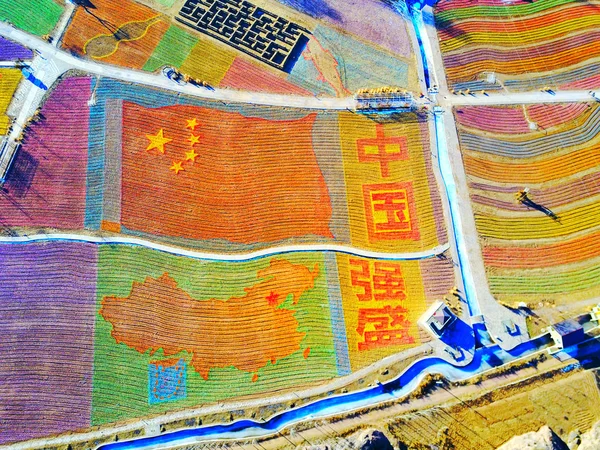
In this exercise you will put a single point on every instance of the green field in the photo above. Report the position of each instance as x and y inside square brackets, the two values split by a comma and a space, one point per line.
[34, 16]
[172, 50]
[120, 385]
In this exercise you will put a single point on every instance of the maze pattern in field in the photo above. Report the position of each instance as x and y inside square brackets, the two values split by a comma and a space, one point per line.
[527, 46]
[529, 253]
[326, 61]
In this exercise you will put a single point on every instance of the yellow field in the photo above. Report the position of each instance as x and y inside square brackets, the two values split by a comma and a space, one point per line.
[382, 302]
[9, 80]
[389, 202]
[208, 61]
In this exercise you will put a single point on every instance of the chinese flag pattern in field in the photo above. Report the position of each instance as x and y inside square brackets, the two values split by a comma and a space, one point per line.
[245, 332]
[387, 186]
[382, 302]
[200, 173]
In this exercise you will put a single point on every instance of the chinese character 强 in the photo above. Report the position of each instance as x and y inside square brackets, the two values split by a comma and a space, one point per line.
[387, 324]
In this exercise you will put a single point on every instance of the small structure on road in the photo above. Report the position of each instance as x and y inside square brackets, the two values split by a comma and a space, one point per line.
[437, 319]
[595, 314]
[564, 334]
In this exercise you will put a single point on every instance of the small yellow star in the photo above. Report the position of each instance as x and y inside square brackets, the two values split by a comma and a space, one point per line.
[194, 139]
[192, 124]
[191, 155]
[158, 141]
[176, 167]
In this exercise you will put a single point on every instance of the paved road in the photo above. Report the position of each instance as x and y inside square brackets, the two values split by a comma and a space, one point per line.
[505, 326]
[28, 99]
[159, 81]
[517, 98]
[242, 256]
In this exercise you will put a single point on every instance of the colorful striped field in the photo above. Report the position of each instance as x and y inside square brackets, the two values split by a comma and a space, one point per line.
[529, 254]
[9, 81]
[87, 331]
[547, 42]
[34, 16]
[46, 183]
[342, 55]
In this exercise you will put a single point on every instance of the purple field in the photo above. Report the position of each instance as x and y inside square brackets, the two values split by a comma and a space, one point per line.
[9, 50]
[47, 307]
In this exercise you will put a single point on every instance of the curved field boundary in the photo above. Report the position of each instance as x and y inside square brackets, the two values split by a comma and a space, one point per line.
[533, 172]
[555, 55]
[563, 78]
[529, 257]
[517, 39]
[535, 146]
[517, 24]
[551, 282]
[496, 52]
[248, 256]
[556, 195]
[538, 227]
[511, 119]
[463, 9]
[590, 82]
[547, 116]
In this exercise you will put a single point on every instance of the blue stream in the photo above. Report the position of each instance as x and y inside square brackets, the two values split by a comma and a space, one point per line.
[484, 359]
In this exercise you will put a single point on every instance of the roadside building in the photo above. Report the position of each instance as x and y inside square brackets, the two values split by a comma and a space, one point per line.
[437, 319]
[565, 334]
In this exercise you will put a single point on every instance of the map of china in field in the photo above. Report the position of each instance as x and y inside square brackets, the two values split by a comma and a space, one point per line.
[245, 332]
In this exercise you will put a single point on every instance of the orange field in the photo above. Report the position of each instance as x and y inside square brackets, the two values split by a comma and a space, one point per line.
[119, 32]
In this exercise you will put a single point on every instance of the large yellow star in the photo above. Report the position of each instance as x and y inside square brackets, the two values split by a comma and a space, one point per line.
[158, 141]
[191, 123]
[191, 155]
[176, 167]
[194, 139]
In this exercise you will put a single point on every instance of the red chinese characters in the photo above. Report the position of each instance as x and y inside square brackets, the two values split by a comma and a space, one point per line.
[387, 324]
[390, 211]
[382, 149]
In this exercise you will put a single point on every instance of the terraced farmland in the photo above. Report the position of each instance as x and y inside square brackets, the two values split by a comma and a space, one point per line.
[524, 45]
[545, 247]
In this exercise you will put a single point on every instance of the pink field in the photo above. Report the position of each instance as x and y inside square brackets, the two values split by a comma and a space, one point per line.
[551, 115]
[46, 183]
[496, 120]
[246, 76]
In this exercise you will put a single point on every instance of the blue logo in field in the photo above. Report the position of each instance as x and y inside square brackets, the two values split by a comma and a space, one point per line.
[166, 381]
